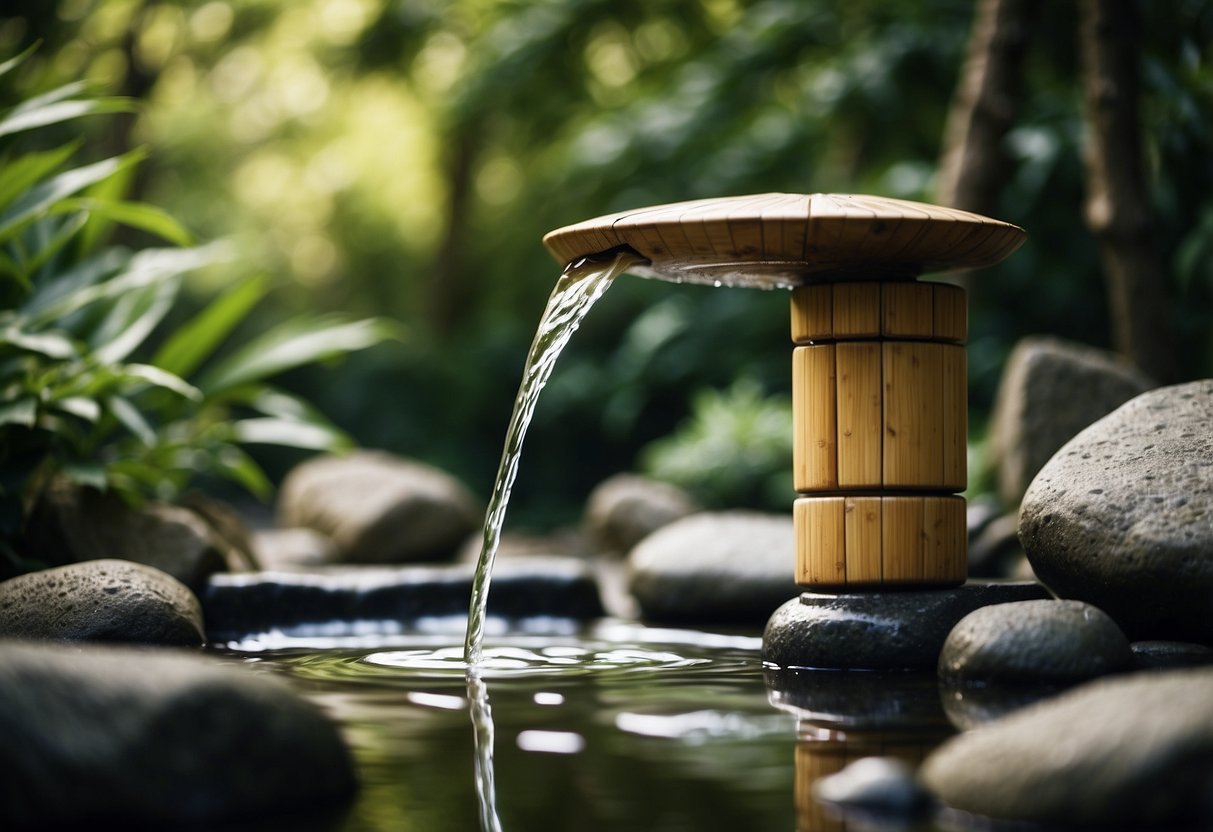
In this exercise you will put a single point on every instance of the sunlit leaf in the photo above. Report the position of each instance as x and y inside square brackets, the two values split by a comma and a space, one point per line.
[240, 467]
[51, 344]
[90, 474]
[80, 407]
[23, 411]
[295, 344]
[16, 61]
[132, 419]
[132, 319]
[43, 196]
[271, 431]
[138, 215]
[194, 342]
[19, 174]
[159, 378]
[54, 112]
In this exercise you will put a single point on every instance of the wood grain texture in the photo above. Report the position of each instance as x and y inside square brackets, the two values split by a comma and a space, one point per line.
[812, 313]
[860, 427]
[814, 419]
[907, 310]
[768, 240]
[857, 310]
[951, 313]
[870, 541]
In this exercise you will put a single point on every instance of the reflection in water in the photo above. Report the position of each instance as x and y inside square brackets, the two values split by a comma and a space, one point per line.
[482, 734]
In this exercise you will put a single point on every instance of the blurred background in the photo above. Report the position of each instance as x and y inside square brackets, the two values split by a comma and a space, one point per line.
[403, 158]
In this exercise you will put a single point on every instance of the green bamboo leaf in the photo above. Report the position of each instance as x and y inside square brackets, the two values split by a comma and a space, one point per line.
[50, 344]
[80, 407]
[138, 215]
[22, 412]
[16, 61]
[145, 268]
[30, 118]
[55, 298]
[295, 344]
[43, 196]
[130, 417]
[159, 378]
[240, 468]
[131, 320]
[194, 342]
[287, 432]
[18, 175]
[51, 239]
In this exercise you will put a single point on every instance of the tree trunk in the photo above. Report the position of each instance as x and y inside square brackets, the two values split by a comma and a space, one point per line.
[973, 165]
[1118, 206]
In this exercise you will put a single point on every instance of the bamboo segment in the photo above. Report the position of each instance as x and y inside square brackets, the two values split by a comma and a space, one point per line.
[862, 530]
[954, 403]
[951, 315]
[945, 538]
[854, 542]
[907, 310]
[913, 438]
[859, 397]
[902, 539]
[820, 546]
[856, 310]
[814, 438]
[812, 313]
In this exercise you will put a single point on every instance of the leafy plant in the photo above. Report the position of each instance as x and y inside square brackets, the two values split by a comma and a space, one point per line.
[76, 399]
[733, 451]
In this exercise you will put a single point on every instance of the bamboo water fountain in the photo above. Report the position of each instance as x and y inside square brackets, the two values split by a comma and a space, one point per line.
[879, 383]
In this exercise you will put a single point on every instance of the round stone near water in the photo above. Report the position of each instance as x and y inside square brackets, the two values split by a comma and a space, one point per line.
[879, 630]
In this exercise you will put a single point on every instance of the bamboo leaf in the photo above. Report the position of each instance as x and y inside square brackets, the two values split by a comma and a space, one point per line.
[22, 412]
[271, 431]
[43, 196]
[138, 215]
[132, 419]
[20, 174]
[295, 344]
[80, 407]
[16, 61]
[194, 342]
[159, 378]
[132, 319]
[50, 344]
[54, 111]
[90, 474]
[240, 467]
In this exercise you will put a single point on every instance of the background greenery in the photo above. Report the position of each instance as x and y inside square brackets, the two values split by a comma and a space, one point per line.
[403, 158]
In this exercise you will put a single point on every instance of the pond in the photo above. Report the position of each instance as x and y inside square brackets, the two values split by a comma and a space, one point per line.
[608, 726]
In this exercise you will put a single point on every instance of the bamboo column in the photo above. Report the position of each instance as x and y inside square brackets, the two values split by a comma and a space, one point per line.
[879, 388]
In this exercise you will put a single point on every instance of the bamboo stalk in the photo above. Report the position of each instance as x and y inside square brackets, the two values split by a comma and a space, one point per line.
[814, 431]
[858, 374]
[856, 310]
[812, 313]
[907, 310]
[820, 546]
[901, 539]
[951, 313]
[945, 539]
[863, 537]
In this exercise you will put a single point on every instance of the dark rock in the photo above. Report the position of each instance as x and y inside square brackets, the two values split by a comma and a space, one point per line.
[100, 600]
[349, 599]
[377, 508]
[119, 738]
[1170, 655]
[1050, 390]
[1122, 516]
[968, 706]
[1060, 642]
[229, 531]
[995, 551]
[898, 630]
[70, 523]
[719, 568]
[1130, 752]
[882, 786]
[625, 509]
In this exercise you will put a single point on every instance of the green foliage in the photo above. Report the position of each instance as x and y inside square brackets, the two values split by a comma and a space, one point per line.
[732, 451]
[76, 400]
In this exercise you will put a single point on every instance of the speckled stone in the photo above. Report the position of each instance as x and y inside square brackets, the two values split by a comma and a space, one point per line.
[1059, 642]
[1124, 752]
[879, 630]
[108, 737]
[1122, 516]
[101, 600]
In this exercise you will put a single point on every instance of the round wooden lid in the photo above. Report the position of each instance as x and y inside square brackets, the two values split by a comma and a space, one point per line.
[785, 240]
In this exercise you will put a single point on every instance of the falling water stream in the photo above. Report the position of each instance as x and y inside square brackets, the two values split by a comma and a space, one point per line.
[581, 284]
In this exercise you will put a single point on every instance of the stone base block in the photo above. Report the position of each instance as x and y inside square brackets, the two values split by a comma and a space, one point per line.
[895, 630]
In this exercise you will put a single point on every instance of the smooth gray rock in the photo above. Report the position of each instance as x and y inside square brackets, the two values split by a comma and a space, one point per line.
[882, 786]
[293, 549]
[120, 737]
[1050, 390]
[100, 600]
[357, 599]
[1122, 516]
[1060, 642]
[70, 523]
[625, 509]
[1130, 752]
[378, 508]
[714, 567]
[899, 630]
